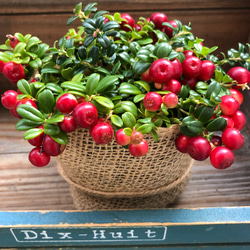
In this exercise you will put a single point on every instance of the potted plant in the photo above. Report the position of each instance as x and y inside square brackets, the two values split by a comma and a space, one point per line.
[126, 106]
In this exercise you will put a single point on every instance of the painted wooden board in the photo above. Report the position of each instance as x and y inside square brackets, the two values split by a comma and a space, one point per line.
[165, 228]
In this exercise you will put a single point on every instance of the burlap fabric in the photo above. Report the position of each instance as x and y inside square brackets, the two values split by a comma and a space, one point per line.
[108, 177]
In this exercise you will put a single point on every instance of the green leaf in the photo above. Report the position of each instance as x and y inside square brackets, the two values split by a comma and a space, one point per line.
[216, 124]
[19, 47]
[92, 83]
[124, 56]
[104, 101]
[54, 87]
[78, 86]
[105, 83]
[130, 107]
[24, 87]
[67, 73]
[138, 98]
[61, 138]
[127, 88]
[206, 114]
[32, 41]
[51, 129]
[143, 84]
[128, 131]
[50, 70]
[195, 127]
[55, 118]
[184, 130]
[46, 101]
[128, 119]
[25, 124]
[32, 133]
[36, 64]
[116, 120]
[214, 87]
[139, 67]
[155, 135]
[145, 128]
[29, 112]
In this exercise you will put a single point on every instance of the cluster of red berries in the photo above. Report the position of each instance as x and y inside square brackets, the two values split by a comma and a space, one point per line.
[165, 77]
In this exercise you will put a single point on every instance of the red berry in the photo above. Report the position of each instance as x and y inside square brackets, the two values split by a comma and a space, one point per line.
[38, 158]
[121, 138]
[102, 133]
[51, 147]
[237, 95]
[190, 81]
[191, 66]
[152, 101]
[2, 64]
[239, 120]
[181, 143]
[170, 100]
[145, 76]
[232, 138]
[68, 124]
[188, 53]
[136, 137]
[216, 140]
[9, 99]
[66, 103]
[138, 150]
[221, 157]
[177, 69]
[173, 86]
[129, 21]
[199, 148]
[161, 70]
[158, 19]
[168, 30]
[229, 105]
[13, 41]
[207, 70]
[13, 71]
[240, 75]
[99, 120]
[230, 121]
[85, 114]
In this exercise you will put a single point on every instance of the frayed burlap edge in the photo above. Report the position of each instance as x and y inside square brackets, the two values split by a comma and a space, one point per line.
[84, 201]
[139, 193]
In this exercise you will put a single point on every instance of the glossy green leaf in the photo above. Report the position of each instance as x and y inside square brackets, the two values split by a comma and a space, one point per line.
[29, 112]
[61, 138]
[138, 98]
[144, 129]
[116, 120]
[92, 83]
[24, 87]
[143, 84]
[25, 124]
[216, 124]
[19, 48]
[127, 88]
[130, 107]
[74, 86]
[128, 119]
[32, 41]
[67, 73]
[105, 83]
[36, 64]
[140, 67]
[195, 127]
[94, 54]
[104, 101]
[128, 131]
[32, 133]
[54, 87]
[46, 101]
[55, 118]
[51, 129]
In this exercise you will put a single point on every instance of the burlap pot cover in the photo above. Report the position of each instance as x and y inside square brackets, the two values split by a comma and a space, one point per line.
[108, 177]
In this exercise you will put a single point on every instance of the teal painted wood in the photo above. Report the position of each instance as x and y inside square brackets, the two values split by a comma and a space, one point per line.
[128, 229]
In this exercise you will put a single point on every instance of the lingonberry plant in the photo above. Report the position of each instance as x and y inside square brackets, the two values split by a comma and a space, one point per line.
[122, 79]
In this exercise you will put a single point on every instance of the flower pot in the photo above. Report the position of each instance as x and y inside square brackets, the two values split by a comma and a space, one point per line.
[108, 177]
